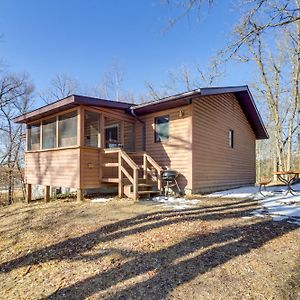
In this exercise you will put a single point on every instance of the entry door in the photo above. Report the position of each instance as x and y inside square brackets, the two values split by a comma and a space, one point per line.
[112, 136]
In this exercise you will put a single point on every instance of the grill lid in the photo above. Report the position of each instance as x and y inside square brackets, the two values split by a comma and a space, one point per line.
[169, 175]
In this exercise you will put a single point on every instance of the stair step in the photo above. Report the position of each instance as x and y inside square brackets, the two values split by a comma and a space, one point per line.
[110, 164]
[148, 192]
[142, 187]
[110, 180]
[141, 180]
[146, 185]
[141, 184]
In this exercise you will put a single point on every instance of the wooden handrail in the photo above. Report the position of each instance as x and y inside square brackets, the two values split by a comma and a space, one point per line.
[157, 167]
[129, 160]
[124, 155]
[110, 150]
[127, 174]
[141, 153]
[122, 171]
[133, 179]
[153, 163]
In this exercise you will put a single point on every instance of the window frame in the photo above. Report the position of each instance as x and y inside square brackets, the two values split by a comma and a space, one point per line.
[40, 122]
[59, 146]
[156, 134]
[42, 133]
[28, 142]
[99, 127]
[231, 138]
[116, 125]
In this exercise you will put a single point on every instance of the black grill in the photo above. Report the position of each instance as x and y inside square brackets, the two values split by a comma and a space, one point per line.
[169, 175]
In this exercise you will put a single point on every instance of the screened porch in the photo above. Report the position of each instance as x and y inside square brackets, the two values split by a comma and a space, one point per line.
[80, 127]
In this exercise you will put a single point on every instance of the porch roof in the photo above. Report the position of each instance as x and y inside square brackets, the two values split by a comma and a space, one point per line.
[68, 103]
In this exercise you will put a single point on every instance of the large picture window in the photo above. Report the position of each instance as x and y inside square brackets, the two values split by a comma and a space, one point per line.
[49, 133]
[33, 137]
[91, 128]
[161, 129]
[67, 129]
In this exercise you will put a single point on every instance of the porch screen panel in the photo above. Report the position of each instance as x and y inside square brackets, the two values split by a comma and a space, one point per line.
[49, 134]
[33, 142]
[67, 130]
[91, 128]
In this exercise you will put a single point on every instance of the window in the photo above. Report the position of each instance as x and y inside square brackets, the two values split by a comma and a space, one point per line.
[161, 129]
[67, 130]
[49, 133]
[33, 137]
[112, 136]
[230, 138]
[91, 128]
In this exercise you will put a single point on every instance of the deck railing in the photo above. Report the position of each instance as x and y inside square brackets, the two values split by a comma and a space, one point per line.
[124, 157]
[148, 162]
[149, 165]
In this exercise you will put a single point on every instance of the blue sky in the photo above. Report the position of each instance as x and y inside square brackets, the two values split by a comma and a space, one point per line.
[83, 38]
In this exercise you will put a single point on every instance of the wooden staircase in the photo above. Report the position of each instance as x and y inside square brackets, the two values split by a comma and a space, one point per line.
[137, 174]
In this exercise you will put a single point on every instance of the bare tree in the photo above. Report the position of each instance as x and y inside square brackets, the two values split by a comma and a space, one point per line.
[188, 7]
[269, 13]
[111, 84]
[61, 86]
[278, 64]
[14, 100]
[185, 79]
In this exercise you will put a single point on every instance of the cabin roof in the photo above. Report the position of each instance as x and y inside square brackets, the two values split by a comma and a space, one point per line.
[242, 94]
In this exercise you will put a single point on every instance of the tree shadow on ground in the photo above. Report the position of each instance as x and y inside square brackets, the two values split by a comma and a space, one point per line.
[171, 266]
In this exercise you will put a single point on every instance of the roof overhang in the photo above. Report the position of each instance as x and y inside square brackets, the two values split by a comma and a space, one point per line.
[242, 94]
[68, 103]
[165, 103]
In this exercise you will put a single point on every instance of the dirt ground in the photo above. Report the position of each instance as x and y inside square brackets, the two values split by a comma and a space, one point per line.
[141, 250]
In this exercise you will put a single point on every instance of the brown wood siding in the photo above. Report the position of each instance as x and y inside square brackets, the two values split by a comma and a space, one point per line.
[53, 167]
[90, 168]
[139, 136]
[176, 153]
[129, 136]
[215, 164]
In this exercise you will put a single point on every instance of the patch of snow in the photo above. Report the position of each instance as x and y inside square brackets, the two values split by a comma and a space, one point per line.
[242, 192]
[176, 203]
[101, 200]
[274, 201]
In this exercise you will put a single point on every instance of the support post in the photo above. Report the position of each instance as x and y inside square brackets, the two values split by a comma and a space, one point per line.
[102, 131]
[159, 181]
[47, 193]
[80, 126]
[120, 176]
[28, 193]
[135, 184]
[122, 125]
[79, 195]
[145, 166]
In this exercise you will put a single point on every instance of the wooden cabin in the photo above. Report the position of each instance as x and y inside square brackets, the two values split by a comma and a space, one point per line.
[207, 135]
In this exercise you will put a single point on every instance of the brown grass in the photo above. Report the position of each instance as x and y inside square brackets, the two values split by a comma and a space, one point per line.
[138, 250]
